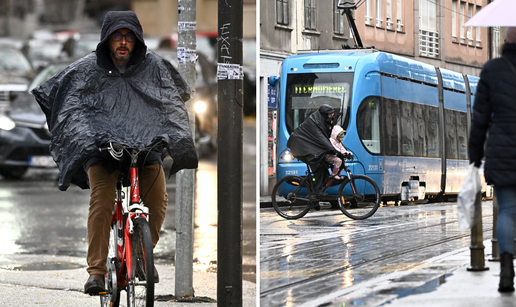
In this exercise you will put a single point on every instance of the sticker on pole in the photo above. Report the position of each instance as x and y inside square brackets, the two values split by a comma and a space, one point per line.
[230, 71]
[185, 55]
[186, 26]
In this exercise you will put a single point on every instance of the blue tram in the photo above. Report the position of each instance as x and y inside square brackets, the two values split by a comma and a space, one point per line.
[407, 122]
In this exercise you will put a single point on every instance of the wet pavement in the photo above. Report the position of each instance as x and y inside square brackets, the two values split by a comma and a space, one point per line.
[325, 252]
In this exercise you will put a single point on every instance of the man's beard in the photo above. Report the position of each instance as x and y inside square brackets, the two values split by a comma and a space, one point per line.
[125, 58]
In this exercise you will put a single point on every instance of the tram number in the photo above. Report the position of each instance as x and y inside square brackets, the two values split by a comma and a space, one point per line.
[373, 167]
[291, 173]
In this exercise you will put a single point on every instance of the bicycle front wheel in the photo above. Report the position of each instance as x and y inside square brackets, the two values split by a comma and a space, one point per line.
[140, 290]
[359, 198]
[297, 194]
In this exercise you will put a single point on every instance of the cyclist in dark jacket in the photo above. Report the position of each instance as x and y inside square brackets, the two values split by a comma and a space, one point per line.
[494, 114]
[120, 93]
[310, 141]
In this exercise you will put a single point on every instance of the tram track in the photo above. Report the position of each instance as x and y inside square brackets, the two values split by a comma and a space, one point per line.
[303, 251]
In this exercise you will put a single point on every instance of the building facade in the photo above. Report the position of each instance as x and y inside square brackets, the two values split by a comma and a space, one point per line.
[430, 31]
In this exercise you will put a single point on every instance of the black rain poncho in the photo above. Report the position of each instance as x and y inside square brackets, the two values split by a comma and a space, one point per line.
[310, 141]
[90, 103]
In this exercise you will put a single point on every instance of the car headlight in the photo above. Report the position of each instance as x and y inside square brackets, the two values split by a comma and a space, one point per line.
[6, 123]
[199, 106]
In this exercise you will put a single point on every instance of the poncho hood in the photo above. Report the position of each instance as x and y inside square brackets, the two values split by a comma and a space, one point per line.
[88, 105]
[116, 20]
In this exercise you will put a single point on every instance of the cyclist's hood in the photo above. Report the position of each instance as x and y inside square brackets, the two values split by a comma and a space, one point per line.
[113, 21]
[87, 106]
[326, 109]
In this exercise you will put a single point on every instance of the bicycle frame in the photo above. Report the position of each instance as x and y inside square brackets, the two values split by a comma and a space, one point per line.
[126, 215]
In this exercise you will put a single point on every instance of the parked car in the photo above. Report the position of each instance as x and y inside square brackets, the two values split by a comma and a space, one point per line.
[24, 135]
[205, 104]
[42, 52]
[80, 44]
[16, 72]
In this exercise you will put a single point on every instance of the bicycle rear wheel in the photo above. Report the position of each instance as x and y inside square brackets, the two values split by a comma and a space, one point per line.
[140, 290]
[361, 200]
[112, 298]
[296, 192]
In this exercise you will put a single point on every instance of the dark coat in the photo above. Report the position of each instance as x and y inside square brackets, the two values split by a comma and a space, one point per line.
[310, 141]
[494, 113]
[90, 103]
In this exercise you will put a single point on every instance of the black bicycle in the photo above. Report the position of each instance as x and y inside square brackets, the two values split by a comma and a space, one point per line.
[358, 196]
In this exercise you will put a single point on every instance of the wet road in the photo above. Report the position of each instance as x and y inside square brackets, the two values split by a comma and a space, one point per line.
[37, 218]
[324, 252]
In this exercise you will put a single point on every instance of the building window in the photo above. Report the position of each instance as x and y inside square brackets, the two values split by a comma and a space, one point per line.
[338, 19]
[368, 17]
[428, 35]
[454, 21]
[388, 14]
[469, 30]
[477, 30]
[379, 19]
[399, 23]
[282, 12]
[496, 42]
[310, 15]
[462, 8]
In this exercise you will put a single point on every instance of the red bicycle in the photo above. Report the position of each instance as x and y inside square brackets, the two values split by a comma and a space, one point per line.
[130, 261]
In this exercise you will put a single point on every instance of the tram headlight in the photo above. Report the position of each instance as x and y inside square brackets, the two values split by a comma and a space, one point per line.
[287, 156]
[200, 107]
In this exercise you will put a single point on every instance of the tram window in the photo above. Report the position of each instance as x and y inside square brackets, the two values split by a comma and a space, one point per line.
[456, 135]
[410, 129]
[306, 92]
[432, 135]
[451, 134]
[420, 148]
[368, 124]
[392, 127]
[407, 129]
[462, 135]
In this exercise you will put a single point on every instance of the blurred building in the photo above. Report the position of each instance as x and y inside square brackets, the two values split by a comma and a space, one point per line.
[166, 11]
[19, 18]
[424, 30]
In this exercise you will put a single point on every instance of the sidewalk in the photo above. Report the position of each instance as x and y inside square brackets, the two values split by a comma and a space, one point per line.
[442, 281]
[41, 281]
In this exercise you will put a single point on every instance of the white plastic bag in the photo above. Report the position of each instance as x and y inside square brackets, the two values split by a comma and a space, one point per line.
[471, 185]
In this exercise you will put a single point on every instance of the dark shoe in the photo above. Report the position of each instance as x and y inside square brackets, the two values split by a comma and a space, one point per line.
[95, 285]
[316, 206]
[506, 273]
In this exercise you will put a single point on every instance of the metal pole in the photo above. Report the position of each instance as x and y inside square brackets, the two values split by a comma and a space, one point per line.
[494, 241]
[477, 245]
[230, 153]
[185, 179]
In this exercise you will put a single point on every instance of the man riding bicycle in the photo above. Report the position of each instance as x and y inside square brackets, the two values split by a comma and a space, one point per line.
[310, 141]
[121, 93]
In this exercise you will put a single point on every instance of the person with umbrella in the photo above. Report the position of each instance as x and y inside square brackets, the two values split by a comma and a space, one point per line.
[493, 114]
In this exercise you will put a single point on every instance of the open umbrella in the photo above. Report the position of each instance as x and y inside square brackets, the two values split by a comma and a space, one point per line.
[498, 13]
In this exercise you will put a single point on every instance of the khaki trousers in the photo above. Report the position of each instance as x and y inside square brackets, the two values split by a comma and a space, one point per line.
[102, 200]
